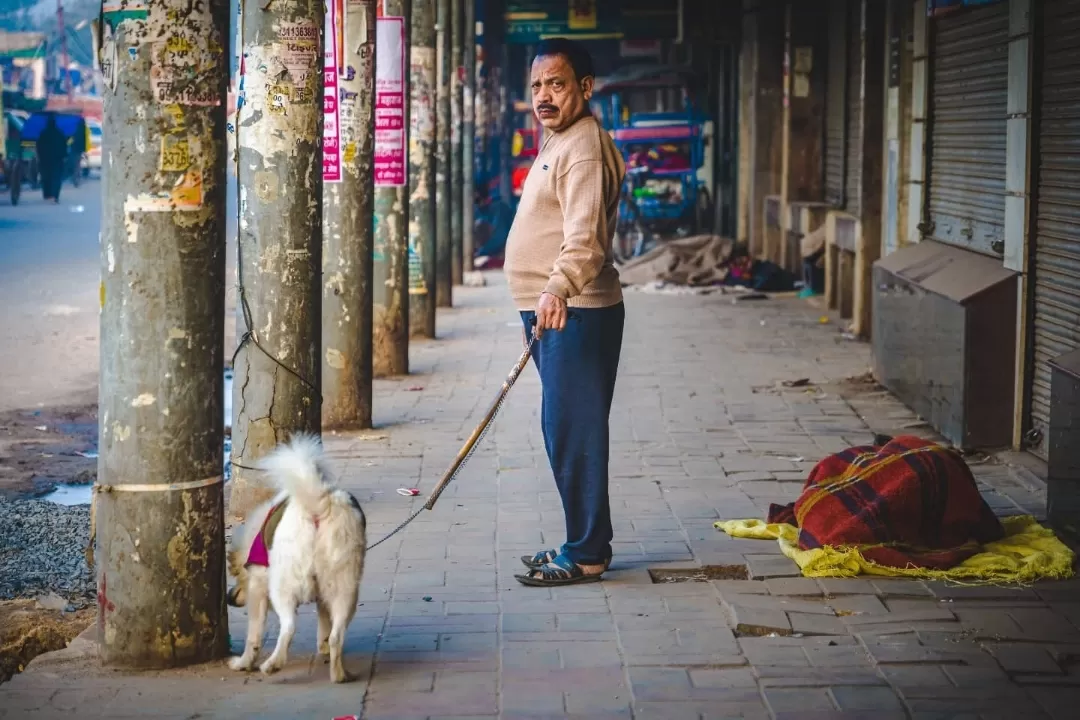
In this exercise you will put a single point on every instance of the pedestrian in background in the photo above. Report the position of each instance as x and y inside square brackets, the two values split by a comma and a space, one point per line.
[52, 150]
[559, 266]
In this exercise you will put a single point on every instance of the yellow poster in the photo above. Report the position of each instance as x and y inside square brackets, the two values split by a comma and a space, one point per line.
[582, 15]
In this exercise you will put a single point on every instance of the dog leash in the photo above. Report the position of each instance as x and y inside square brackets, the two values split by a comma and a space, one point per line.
[474, 439]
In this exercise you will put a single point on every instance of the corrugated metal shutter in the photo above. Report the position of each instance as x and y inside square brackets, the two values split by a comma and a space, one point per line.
[836, 104]
[853, 164]
[968, 107]
[1057, 218]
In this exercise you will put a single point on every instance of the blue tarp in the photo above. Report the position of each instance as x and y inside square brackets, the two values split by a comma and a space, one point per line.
[68, 124]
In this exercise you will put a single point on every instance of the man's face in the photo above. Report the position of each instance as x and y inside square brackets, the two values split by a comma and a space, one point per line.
[558, 97]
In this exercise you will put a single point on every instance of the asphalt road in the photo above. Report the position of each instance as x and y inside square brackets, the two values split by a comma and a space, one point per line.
[49, 275]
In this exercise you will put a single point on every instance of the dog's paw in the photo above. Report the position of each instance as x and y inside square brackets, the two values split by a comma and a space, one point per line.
[271, 666]
[241, 663]
[341, 676]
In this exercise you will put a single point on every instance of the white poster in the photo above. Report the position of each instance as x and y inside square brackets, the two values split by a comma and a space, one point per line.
[390, 132]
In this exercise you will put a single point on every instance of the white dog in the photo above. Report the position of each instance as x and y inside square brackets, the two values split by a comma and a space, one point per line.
[305, 545]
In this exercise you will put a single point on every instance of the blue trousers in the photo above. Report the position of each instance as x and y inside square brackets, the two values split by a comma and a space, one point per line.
[577, 367]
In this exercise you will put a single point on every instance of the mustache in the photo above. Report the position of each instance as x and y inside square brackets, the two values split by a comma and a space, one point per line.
[546, 106]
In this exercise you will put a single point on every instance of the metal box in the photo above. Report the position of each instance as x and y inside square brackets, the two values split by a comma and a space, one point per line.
[1063, 445]
[944, 340]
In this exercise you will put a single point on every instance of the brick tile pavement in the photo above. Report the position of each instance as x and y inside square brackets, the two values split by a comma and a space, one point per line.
[703, 428]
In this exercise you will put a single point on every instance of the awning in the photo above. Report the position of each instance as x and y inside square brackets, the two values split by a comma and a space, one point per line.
[644, 75]
[21, 44]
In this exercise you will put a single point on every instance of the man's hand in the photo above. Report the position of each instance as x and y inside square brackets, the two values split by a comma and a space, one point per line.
[550, 313]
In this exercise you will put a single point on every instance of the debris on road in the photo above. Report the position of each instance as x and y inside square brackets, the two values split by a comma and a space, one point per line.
[27, 631]
[43, 551]
[473, 280]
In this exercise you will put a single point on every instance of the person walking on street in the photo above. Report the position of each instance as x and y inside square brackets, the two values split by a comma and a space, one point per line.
[73, 162]
[52, 151]
[560, 271]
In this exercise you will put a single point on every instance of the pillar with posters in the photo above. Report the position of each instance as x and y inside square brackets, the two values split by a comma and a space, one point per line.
[390, 325]
[278, 368]
[422, 83]
[349, 188]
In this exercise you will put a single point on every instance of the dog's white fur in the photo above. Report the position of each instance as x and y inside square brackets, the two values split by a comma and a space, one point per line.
[307, 563]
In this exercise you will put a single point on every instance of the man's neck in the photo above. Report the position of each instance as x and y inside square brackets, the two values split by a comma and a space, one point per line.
[586, 113]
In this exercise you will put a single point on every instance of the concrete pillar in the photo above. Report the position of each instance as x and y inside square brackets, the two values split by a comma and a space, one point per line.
[805, 117]
[457, 118]
[1018, 178]
[868, 239]
[277, 374]
[468, 138]
[422, 227]
[158, 502]
[503, 125]
[444, 281]
[920, 113]
[390, 324]
[898, 80]
[348, 235]
[806, 52]
[761, 70]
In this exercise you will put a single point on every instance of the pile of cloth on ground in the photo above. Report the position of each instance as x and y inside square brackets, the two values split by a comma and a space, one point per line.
[703, 261]
[905, 506]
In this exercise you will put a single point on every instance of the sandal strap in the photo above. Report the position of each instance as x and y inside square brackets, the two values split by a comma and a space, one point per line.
[560, 568]
[545, 556]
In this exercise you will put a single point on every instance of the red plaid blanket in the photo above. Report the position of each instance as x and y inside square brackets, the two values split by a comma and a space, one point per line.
[910, 502]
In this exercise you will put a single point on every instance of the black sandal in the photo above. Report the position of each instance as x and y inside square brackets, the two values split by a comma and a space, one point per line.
[560, 571]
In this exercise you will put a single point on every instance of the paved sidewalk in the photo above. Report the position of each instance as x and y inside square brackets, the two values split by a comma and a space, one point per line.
[703, 429]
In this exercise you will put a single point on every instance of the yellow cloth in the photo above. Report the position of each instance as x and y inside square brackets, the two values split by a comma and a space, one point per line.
[1028, 552]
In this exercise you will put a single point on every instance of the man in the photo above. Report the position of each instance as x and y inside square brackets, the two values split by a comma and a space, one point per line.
[559, 267]
[52, 152]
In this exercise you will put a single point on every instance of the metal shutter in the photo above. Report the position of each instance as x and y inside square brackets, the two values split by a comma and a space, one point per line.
[835, 104]
[968, 107]
[853, 165]
[1057, 214]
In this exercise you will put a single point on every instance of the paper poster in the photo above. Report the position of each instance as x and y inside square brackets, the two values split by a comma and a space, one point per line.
[390, 141]
[331, 117]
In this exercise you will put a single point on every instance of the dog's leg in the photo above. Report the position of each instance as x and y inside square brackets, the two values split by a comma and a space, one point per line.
[324, 628]
[341, 614]
[286, 612]
[257, 608]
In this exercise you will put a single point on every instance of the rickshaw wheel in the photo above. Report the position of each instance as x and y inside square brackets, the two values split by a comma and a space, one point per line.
[15, 182]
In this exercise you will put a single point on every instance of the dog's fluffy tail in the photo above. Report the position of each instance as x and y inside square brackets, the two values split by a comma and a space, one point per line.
[297, 468]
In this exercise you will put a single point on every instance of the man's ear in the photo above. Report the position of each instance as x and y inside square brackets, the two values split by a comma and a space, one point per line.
[587, 86]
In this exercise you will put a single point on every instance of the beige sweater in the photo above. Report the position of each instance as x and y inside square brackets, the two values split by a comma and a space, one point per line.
[560, 241]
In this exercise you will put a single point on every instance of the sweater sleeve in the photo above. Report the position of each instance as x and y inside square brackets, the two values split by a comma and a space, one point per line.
[581, 198]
